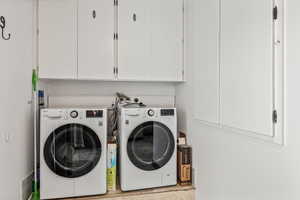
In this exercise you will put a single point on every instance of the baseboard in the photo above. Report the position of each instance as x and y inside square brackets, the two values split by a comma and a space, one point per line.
[26, 186]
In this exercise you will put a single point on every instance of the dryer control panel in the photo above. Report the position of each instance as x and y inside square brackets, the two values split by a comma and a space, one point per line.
[94, 113]
[167, 112]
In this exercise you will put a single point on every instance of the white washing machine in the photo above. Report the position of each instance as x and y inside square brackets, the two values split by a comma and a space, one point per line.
[73, 152]
[148, 149]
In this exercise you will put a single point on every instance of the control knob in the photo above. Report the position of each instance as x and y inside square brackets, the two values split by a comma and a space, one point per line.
[74, 114]
[151, 113]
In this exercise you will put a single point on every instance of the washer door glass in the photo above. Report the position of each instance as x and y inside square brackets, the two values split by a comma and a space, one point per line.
[150, 146]
[72, 150]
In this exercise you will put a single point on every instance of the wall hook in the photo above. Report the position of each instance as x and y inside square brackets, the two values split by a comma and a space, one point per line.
[2, 26]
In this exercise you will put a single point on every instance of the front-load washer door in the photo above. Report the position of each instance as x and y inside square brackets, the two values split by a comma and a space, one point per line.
[72, 150]
[150, 146]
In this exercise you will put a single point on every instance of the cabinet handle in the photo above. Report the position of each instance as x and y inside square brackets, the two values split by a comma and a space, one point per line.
[94, 14]
[134, 17]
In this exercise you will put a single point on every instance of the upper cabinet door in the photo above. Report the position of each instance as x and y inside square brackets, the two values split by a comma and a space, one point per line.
[58, 39]
[150, 44]
[95, 39]
[247, 63]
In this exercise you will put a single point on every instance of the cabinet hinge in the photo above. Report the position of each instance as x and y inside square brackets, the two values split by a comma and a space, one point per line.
[274, 116]
[116, 71]
[275, 13]
[116, 36]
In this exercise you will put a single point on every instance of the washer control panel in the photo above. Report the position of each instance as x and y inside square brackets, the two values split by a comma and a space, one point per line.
[94, 114]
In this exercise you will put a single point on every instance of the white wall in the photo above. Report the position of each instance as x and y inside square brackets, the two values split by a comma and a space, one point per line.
[230, 166]
[16, 62]
[88, 92]
[69, 87]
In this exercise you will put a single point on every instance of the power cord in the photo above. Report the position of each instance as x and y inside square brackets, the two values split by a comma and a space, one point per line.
[121, 100]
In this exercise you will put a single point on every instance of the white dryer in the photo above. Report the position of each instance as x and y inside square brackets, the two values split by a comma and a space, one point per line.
[73, 152]
[147, 138]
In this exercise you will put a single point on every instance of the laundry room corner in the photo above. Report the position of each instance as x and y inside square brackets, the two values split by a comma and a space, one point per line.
[149, 99]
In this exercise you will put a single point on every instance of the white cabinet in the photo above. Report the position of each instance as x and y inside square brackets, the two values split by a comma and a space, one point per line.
[242, 90]
[150, 40]
[77, 40]
[58, 39]
[95, 39]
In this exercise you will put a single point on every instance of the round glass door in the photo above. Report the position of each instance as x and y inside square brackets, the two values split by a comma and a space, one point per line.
[72, 150]
[150, 146]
